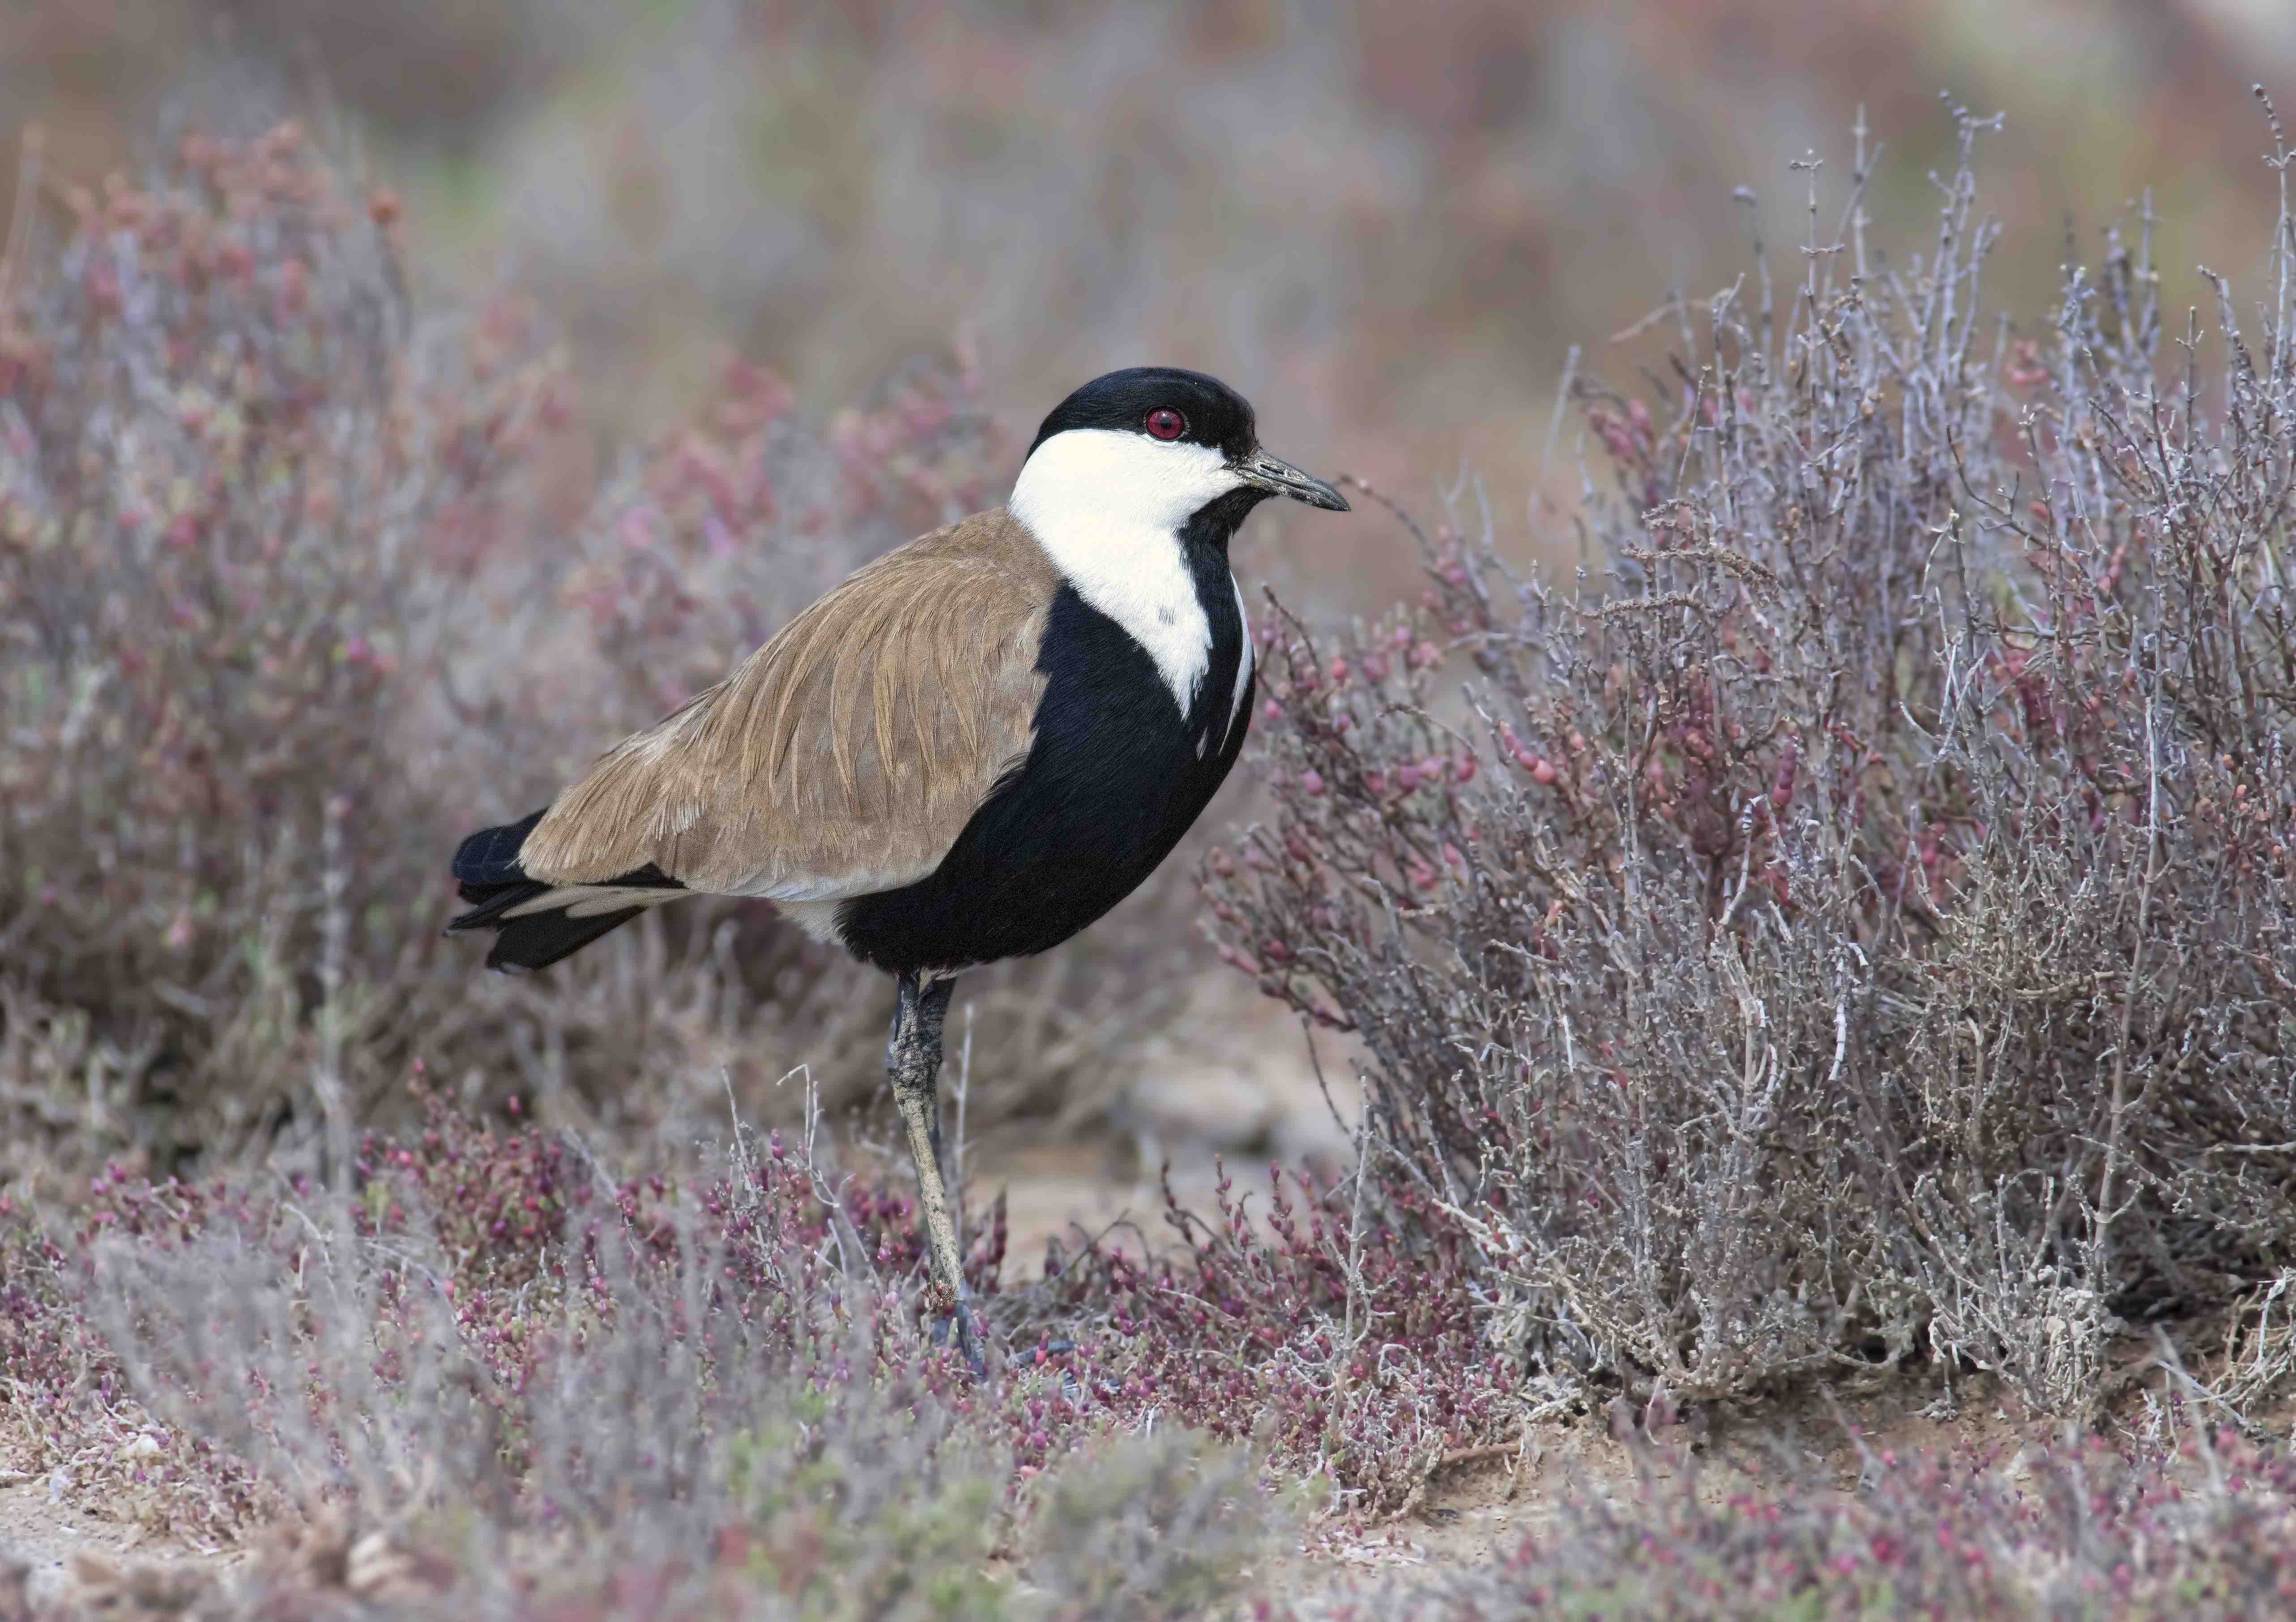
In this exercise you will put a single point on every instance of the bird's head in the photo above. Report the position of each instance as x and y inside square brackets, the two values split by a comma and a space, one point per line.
[1157, 448]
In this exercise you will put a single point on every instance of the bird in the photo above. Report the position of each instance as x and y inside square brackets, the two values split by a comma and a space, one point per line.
[968, 751]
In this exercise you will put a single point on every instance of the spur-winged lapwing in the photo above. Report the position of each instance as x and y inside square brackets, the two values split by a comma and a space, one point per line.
[970, 750]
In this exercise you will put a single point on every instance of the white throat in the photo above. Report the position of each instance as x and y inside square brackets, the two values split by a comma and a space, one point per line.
[1108, 506]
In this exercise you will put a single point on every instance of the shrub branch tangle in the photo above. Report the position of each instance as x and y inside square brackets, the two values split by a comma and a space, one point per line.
[1865, 927]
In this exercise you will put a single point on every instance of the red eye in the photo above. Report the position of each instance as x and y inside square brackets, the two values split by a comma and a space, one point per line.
[1165, 423]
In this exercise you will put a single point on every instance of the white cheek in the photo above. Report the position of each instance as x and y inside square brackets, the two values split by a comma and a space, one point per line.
[1107, 506]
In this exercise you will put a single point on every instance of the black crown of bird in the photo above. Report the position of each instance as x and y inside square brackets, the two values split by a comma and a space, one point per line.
[968, 751]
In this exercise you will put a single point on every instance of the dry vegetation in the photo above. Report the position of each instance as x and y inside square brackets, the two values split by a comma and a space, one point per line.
[1864, 932]
[501, 1384]
[1845, 935]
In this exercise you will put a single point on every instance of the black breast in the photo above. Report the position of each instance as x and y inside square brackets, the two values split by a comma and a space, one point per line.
[1112, 782]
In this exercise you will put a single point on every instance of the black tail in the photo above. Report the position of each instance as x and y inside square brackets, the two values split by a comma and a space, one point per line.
[488, 875]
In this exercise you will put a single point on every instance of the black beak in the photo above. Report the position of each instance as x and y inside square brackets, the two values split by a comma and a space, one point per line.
[1277, 477]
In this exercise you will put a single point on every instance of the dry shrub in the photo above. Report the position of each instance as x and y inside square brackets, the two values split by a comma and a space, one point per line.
[235, 492]
[492, 1336]
[2064, 1527]
[495, 1380]
[1336, 1328]
[491, 1380]
[299, 583]
[2256, 1370]
[1860, 925]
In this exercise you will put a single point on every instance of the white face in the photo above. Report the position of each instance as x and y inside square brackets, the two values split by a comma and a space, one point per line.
[1108, 476]
[1108, 505]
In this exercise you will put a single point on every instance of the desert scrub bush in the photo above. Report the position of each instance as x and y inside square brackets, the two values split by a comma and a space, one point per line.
[1856, 918]
[2063, 1528]
[300, 579]
[487, 1378]
[1336, 1329]
[220, 466]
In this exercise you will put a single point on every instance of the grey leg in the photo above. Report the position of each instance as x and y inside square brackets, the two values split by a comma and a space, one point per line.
[912, 1060]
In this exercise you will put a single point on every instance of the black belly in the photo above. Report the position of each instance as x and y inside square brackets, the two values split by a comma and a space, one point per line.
[1110, 784]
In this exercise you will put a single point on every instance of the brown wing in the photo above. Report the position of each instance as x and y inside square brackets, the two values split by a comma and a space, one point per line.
[847, 754]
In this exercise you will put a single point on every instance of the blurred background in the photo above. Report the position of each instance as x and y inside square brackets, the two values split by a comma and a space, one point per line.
[1390, 223]
[1387, 221]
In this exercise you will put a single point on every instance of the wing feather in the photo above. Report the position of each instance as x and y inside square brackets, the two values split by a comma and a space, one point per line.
[847, 754]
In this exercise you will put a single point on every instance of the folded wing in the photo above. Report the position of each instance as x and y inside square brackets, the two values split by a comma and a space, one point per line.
[846, 755]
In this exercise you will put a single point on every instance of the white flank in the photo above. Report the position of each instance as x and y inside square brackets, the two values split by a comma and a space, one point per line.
[817, 919]
[1244, 662]
[792, 889]
[1108, 506]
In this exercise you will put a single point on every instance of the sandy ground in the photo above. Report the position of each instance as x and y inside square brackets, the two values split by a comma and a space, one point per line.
[67, 1554]
[1245, 1095]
